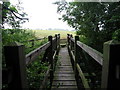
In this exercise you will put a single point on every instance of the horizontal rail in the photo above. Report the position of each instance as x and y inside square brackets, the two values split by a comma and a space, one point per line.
[73, 56]
[84, 81]
[43, 85]
[32, 55]
[92, 52]
[80, 73]
[36, 39]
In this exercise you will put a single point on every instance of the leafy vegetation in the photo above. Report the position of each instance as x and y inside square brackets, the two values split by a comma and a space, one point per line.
[35, 73]
[95, 21]
[116, 35]
[12, 15]
[37, 69]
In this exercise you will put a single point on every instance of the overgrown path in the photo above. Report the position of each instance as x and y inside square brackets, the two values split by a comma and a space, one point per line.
[64, 75]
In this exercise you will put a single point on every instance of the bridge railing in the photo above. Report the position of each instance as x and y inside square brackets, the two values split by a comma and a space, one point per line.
[16, 62]
[108, 61]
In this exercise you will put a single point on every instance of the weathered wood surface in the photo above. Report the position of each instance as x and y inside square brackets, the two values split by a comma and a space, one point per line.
[92, 52]
[84, 81]
[33, 54]
[64, 76]
[15, 63]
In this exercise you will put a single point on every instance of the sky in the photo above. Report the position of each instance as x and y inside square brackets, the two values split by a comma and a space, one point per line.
[42, 14]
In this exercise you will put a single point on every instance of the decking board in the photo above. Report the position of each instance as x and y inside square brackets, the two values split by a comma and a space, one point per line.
[64, 75]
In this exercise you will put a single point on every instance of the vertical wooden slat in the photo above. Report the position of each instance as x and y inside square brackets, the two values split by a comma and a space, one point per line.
[111, 65]
[15, 62]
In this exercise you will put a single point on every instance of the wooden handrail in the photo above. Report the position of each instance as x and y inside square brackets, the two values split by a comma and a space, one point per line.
[36, 39]
[92, 52]
[20, 60]
[35, 53]
[74, 57]
[109, 61]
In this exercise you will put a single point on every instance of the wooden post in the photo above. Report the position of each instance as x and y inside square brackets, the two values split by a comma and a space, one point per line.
[59, 40]
[68, 39]
[76, 53]
[15, 62]
[56, 36]
[50, 57]
[111, 65]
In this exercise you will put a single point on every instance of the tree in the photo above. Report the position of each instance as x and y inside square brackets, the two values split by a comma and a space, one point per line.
[96, 21]
[12, 15]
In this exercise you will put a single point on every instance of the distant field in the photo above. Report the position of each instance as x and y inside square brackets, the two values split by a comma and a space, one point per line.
[46, 33]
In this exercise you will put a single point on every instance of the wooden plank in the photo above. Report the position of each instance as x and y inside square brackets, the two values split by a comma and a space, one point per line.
[64, 72]
[35, 39]
[15, 62]
[76, 54]
[64, 83]
[84, 81]
[65, 87]
[33, 54]
[64, 78]
[111, 65]
[92, 52]
[64, 75]
[64, 68]
[50, 56]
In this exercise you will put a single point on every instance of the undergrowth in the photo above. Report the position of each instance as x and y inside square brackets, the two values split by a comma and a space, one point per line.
[37, 69]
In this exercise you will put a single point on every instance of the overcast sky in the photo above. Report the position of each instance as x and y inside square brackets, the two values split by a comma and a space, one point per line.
[42, 14]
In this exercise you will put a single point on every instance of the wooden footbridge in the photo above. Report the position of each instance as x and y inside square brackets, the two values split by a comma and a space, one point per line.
[69, 65]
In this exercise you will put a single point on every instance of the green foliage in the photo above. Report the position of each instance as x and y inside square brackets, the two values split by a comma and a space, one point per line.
[95, 20]
[35, 73]
[116, 35]
[96, 23]
[12, 15]
[37, 69]
[19, 35]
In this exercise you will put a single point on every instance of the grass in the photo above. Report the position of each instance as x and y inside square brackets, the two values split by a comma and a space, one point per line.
[46, 33]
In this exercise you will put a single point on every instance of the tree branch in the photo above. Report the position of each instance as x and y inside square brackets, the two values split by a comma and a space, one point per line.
[13, 12]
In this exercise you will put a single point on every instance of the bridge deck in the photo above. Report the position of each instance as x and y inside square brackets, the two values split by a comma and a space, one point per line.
[64, 76]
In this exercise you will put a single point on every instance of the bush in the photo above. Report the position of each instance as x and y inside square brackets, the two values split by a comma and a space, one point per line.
[37, 69]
